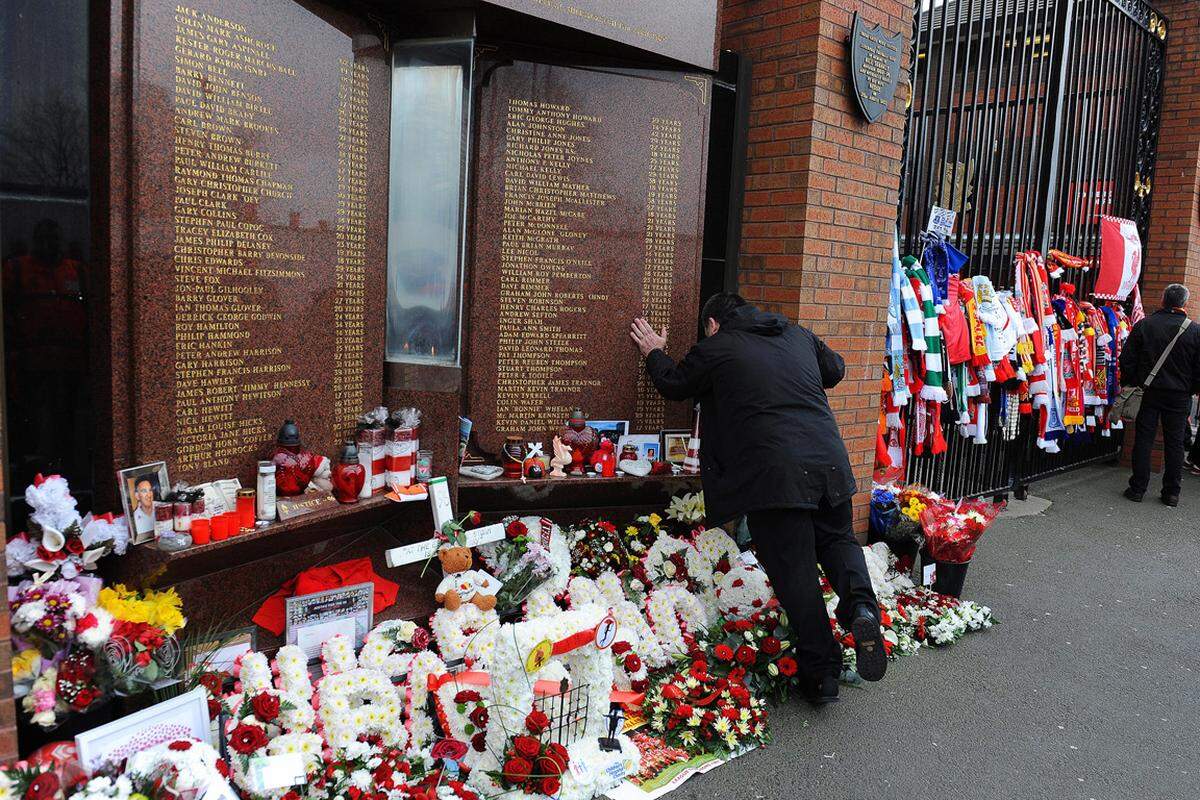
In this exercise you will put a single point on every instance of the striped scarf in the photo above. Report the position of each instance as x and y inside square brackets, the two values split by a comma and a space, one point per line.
[935, 381]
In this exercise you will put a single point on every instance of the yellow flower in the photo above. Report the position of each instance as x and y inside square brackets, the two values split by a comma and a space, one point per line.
[654, 520]
[26, 664]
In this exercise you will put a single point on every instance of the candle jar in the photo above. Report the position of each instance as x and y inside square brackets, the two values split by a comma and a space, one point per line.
[233, 523]
[220, 528]
[512, 456]
[164, 518]
[348, 475]
[245, 508]
[201, 530]
[424, 466]
[183, 515]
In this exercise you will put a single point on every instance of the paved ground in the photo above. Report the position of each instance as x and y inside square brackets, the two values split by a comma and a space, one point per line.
[1090, 687]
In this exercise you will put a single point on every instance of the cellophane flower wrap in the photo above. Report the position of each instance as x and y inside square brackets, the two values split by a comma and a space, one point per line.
[951, 533]
[701, 712]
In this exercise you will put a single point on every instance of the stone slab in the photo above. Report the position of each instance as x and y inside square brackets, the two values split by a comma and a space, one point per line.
[588, 212]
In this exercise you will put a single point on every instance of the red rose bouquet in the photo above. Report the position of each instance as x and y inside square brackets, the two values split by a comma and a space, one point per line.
[951, 534]
[758, 651]
[530, 764]
[703, 713]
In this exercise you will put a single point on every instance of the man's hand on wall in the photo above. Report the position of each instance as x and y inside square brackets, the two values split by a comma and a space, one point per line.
[647, 340]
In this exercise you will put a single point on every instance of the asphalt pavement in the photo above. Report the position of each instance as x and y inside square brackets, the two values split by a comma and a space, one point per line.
[1087, 689]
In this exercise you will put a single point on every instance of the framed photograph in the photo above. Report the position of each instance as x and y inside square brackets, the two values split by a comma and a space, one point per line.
[313, 618]
[216, 653]
[648, 445]
[182, 717]
[610, 428]
[675, 445]
[140, 488]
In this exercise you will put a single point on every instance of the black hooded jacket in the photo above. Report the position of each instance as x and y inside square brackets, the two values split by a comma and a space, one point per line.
[768, 436]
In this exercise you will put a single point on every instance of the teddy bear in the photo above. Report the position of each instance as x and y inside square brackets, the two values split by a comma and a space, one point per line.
[462, 584]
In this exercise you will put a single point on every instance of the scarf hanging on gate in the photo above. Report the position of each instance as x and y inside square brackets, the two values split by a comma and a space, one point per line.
[934, 388]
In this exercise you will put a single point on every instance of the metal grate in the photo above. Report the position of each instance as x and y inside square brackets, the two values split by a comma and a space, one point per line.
[1030, 118]
[568, 713]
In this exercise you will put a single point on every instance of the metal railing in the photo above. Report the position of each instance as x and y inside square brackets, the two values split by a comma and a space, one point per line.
[1030, 118]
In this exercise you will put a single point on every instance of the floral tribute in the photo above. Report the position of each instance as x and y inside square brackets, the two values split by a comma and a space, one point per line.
[356, 702]
[701, 712]
[530, 764]
[25, 781]
[758, 651]
[59, 541]
[596, 547]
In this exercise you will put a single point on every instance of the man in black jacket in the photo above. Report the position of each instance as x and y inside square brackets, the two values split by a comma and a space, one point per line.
[1168, 397]
[771, 450]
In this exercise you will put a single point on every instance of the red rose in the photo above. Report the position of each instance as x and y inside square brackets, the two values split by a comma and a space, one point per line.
[214, 708]
[621, 648]
[211, 681]
[683, 710]
[475, 519]
[479, 717]
[558, 752]
[746, 655]
[724, 652]
[550, 786]
[516, 770]
[516, 529]
[142, 659]
[632, 662]
[266, 706]
[547, 766]
[744, 625]
[180, 745]
[448, 748]
[245, 739]
[771, 646]
[467, 696]
[527, 746]
[787, 666]
[74, 545]
[639, 686]
[84, 698]
[43, 787]
[537, 721]
[479, 742]
[420, 638]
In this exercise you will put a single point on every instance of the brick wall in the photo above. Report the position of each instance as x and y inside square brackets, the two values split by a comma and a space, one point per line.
[1173, 245]
[821, 190]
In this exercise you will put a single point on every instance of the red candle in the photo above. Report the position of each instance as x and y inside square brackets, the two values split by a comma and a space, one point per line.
[233, 522]
[245, 509]
[201, 530]
[220, 528]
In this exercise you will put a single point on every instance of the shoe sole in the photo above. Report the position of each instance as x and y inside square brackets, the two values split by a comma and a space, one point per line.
[1134, 499]
[868, 645]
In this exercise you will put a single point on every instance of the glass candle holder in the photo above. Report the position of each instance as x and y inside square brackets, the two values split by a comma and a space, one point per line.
[201, 530]
[245, 508]
[220, 528]
[423, 470]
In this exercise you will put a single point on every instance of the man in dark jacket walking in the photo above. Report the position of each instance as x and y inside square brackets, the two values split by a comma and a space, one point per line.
[1167, 398]
[771, 449]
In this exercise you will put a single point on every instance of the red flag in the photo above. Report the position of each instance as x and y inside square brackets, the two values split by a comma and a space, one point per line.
[1120, 258]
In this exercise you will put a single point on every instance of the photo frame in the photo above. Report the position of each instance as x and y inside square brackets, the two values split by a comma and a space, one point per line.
[216, 653]
[313, 618]
[140, 488]
[185, 716]
[649, 445]
[675, 445]
[612, 429]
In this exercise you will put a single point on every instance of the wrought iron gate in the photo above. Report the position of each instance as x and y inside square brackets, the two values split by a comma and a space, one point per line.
[1030, 118]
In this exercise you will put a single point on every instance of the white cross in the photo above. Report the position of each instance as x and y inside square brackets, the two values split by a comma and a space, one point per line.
[439, 498]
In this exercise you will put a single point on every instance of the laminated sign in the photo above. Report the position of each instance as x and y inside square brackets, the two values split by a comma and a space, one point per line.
[1120, 258]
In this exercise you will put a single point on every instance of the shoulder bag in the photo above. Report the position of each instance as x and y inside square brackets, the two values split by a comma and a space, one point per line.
[1129, 401]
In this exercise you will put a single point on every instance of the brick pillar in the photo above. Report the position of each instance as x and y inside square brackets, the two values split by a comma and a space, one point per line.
[1173, 245]
[822, 189]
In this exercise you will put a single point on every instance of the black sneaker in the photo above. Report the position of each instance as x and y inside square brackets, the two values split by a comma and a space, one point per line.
[822, 692]
[1171, 500]
[1136, 497]
[868, 645]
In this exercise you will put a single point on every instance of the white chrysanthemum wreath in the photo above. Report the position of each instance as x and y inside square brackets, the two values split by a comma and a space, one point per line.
[465, 633]
[742, 591]
[354, 701]
[674, 611]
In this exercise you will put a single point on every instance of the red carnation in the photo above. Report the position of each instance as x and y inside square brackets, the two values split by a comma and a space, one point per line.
[516, 770]
[771, 646]
[672, 692]
[214, 708]
[537, 721]
[479, 742]
[745, 655]
[266, 706]
[787, 666]
[245, 739]
[724, 652]
[730, 714]
[43, 787]
[467, 696]
[84, 698]
[639, 686]
[621, 648]
[550, 786]
[479, 717]
[527, 746]
[211, 681]
[744, 625]
[180, 745]
[420, 638]
[683, 710]
[632, 662]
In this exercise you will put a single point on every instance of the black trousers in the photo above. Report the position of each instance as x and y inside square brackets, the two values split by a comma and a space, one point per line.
[789, 543]
[1170, 410]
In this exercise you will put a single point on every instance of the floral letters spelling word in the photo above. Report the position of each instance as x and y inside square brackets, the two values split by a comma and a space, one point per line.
[355, 701]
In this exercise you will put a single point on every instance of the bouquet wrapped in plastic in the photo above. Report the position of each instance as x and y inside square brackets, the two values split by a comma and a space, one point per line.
[951, 533]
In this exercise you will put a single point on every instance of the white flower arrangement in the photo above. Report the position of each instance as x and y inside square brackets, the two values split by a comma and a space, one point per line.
[688, 508]
[669, 606]
[541, 604]
[105, 788]
[660, 568]
[294, 692]
[353, 700]
[193, 767]
[420, 725]
[742, 591]
[717, 546]
[465, 633]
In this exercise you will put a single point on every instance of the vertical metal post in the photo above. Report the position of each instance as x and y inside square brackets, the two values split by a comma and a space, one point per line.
[1062, 57]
